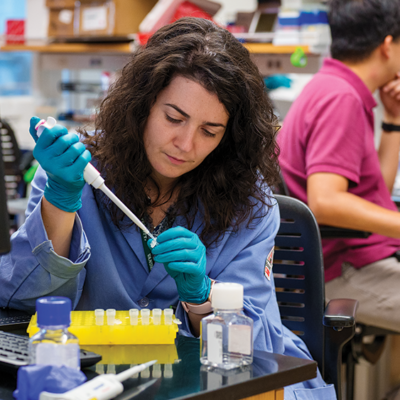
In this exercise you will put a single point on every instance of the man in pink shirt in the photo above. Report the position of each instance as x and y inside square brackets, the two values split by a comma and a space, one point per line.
[329, 160]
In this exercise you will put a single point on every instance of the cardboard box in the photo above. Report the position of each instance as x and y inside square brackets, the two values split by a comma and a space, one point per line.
[60, 3]
[61, 22]
[15, 31]
[36, 10]
[110, 17]
[165, 10]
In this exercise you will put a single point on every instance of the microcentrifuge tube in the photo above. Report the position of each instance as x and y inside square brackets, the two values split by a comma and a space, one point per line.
[145, 314]
[134, 375]
[99, 316]
[157, 316]
[168, 373]
[100, 369]
[134, 315]
[156, 371]
[110, 316]
[145, 373]
[111, 369]
[168, 312]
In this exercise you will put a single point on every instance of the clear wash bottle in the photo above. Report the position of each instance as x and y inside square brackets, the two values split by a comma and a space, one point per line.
[54, 344]
[227, 334]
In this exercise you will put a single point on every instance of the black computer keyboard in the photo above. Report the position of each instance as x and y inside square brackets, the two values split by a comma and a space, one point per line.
[11, 319]
[14, 352]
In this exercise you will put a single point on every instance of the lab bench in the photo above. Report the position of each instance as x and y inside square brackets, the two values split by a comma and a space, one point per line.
[183, 377]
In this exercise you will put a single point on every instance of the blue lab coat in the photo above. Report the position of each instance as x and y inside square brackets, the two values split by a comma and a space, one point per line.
[107, 268]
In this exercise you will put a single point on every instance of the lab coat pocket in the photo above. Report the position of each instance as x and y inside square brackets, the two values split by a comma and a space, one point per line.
[323, 393]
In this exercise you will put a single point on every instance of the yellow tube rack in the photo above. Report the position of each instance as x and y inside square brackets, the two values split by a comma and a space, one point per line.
[83, 325]
[135, 354]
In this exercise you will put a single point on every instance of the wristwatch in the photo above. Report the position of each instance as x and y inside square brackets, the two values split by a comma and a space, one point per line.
[390, 127]
[199, 309]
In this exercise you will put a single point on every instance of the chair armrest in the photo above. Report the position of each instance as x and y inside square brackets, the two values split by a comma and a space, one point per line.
[333, 232]
[340, 313]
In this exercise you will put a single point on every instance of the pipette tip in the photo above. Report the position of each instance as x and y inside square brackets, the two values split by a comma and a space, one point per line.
[153, 243]
[149, 363]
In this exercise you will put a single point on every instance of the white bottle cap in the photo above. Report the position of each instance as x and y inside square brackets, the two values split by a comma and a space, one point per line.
[227, 296]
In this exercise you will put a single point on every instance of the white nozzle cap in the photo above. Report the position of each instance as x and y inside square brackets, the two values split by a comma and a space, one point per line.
[227, 296]
[92, 176]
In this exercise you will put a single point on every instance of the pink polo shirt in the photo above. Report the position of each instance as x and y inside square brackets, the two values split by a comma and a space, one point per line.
[330, 128]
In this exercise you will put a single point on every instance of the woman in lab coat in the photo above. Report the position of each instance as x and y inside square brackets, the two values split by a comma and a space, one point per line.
[186, 139]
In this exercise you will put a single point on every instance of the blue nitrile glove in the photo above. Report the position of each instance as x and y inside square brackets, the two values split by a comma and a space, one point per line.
[184, 258]
[63, 158]
[34, 379]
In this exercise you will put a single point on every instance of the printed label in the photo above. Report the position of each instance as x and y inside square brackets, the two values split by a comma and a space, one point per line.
[239, 339]
[214, 339]
[56, 354]
[65, 16]
[94, 18]
[268, 264]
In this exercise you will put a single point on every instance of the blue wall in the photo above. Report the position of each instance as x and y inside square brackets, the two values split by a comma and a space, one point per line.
[11, 9]
[15, 71]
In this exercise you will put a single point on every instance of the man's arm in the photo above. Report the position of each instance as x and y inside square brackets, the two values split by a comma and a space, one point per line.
[388, 154]
[333, 205]
[388, 151]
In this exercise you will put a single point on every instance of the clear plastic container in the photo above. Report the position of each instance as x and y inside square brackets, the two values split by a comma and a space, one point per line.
[54, 344]
[227, 334]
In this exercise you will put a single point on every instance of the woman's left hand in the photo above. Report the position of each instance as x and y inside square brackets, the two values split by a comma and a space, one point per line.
[184, 258]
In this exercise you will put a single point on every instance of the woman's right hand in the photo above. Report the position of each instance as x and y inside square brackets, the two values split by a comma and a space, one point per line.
[63, 158]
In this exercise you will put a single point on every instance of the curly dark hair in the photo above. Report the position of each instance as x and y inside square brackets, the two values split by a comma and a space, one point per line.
[227, 186]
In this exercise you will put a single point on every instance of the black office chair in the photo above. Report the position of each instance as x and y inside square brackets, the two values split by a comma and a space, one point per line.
[357, 349]
[16, 162]
[327, 232]
[300, 290]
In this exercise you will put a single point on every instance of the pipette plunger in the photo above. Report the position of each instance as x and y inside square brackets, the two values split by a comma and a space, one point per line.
[102, 387]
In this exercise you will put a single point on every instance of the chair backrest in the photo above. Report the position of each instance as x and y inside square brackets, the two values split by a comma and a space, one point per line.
[299, 274]
[281, 187]
[11, 159]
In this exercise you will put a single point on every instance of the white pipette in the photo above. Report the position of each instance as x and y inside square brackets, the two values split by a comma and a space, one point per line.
[93, 177]
[102, 387]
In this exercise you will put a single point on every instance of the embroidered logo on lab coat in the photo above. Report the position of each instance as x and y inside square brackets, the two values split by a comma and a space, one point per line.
[268, 264]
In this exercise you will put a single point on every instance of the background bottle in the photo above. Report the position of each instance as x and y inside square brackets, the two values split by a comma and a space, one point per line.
[54, 344]
[227, 334]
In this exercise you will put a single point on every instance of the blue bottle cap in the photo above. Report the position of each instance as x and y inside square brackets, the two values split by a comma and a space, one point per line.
[53, 311]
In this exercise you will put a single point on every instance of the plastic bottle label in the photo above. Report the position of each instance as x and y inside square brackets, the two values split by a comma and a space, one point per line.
[214, 339]
[58, 354]
[239, 339]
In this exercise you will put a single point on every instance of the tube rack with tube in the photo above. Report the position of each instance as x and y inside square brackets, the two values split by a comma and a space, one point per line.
[133, 354]
[121, 327]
